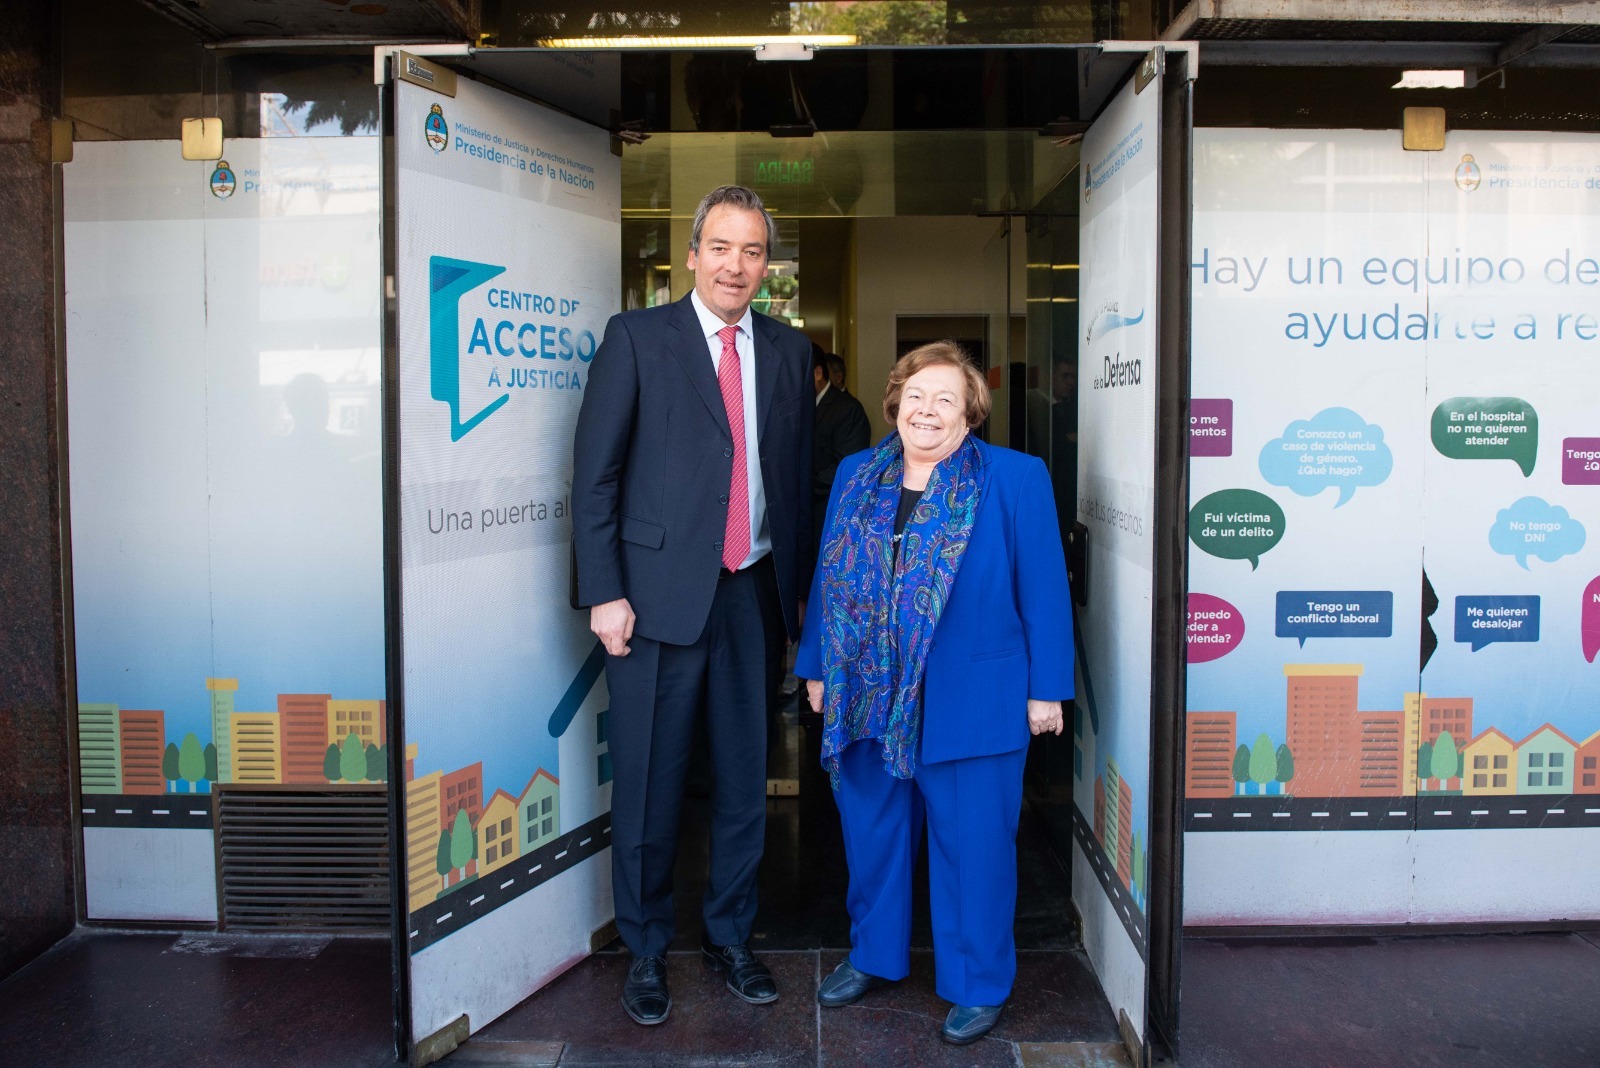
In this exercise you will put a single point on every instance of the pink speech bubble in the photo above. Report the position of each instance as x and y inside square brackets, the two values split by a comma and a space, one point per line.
[1591, 621]
[1215, 627]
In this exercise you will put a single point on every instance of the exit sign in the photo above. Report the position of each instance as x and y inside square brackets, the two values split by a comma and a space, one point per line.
[785, 172]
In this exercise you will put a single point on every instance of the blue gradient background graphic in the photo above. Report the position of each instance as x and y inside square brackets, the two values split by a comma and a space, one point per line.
[224, 524]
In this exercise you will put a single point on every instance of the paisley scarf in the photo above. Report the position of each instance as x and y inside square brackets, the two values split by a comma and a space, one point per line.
[880, 609]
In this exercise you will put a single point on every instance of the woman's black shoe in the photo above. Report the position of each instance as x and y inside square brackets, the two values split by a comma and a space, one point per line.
[644, 995]
[846, 985]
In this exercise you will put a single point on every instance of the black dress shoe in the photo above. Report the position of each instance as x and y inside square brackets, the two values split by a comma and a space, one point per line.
[846, 985]
[644, 995]
[747, 976]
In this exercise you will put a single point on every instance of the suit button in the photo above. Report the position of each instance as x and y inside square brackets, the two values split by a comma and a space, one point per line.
[722, 499]
[727, 452]
[717, 546]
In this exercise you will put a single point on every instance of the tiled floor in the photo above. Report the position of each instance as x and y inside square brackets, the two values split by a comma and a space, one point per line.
[1056, 1001]
[102, 999]
[1490, 1001]
[1458, 1001]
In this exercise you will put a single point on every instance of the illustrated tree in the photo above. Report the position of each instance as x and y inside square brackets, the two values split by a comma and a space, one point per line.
[463, 842]
[1444, 762]
[191, 761]
[1285, 760]
[1263, 763]
[375, 761]
[330, 764]
[169, 766]
[1424, 766]
[1241, 767]
[892, 22]
[352, 759]
[211, 762]
[441, 862]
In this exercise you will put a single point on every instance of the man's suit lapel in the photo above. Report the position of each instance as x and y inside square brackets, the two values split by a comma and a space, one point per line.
[767, 357]
[688, 346]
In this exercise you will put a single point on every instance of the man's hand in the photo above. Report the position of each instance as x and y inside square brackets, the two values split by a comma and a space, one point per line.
[814, 694]
[1045, 716]
[612, 623]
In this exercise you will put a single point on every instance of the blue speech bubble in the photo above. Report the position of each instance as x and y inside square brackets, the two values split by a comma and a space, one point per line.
[1335, 447]
[1486, 619]
[1335, 614]
[1534, 527]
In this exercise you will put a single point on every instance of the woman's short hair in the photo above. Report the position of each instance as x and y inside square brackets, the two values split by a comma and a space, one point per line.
[935, 354]
[732, 196]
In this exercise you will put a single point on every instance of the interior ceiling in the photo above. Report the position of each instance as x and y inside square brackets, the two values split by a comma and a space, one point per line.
[856, 174]
[223, 19]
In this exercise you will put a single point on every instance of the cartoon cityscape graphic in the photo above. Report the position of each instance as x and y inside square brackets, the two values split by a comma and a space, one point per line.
[1108, 826]
[454, 836]
[1431, 746]
[312, 739]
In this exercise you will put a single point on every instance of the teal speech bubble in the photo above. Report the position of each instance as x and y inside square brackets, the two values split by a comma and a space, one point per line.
[1488, 428]
[1236, 524]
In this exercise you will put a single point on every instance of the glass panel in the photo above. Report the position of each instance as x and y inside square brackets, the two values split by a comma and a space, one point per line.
[864, 22]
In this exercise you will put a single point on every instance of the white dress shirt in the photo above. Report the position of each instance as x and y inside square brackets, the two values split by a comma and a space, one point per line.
[744, 343]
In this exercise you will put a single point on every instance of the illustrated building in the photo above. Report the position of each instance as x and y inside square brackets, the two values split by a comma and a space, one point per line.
[1124, 852]
[1211, 740]
[363, 718]
[303, 723]
[423, 823]
[497, 832]
[222, 691]
[253, 745]
[100, 749]
[1113, 780]
[1100, 809]
[1323, 730]
[1545, 762]
[1587, 772]
[1440, 714]
[1380, 766]
[1411, 743]
[461, 789]
[539, 811]
[144, 737]
[1491, 764]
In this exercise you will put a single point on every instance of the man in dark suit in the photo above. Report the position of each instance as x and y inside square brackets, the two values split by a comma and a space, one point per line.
[691, 516]
[841, 429]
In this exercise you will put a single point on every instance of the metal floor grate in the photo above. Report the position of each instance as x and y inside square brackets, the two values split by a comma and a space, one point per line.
[298, 859]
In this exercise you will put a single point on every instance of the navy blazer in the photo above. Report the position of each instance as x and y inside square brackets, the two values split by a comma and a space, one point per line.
[652, 461]
[1006, 632]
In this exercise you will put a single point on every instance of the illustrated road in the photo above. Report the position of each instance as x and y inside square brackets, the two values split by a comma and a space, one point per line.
[488, 892]
[1426, 812]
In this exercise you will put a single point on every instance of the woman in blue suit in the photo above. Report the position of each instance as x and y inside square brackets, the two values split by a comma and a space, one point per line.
[938, 637]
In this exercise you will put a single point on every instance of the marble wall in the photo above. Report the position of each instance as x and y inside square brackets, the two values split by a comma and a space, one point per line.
[36, 837]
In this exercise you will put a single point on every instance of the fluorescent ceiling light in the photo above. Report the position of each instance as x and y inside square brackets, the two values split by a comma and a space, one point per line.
[1432, 79]
[812, 40]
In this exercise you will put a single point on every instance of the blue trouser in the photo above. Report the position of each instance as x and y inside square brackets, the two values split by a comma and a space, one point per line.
[971, 808]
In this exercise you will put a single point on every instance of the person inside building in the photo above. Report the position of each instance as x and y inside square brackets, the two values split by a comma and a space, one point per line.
[938, 637]
[836, 372]
[841, 429]
[691, 516]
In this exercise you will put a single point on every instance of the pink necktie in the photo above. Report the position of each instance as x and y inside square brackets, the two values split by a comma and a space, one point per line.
[736, 536]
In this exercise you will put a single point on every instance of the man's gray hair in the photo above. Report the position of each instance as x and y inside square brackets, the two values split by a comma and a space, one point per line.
[732, 196]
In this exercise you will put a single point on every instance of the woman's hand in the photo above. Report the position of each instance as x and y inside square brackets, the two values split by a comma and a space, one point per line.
[1042, 716]
[814, 694]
